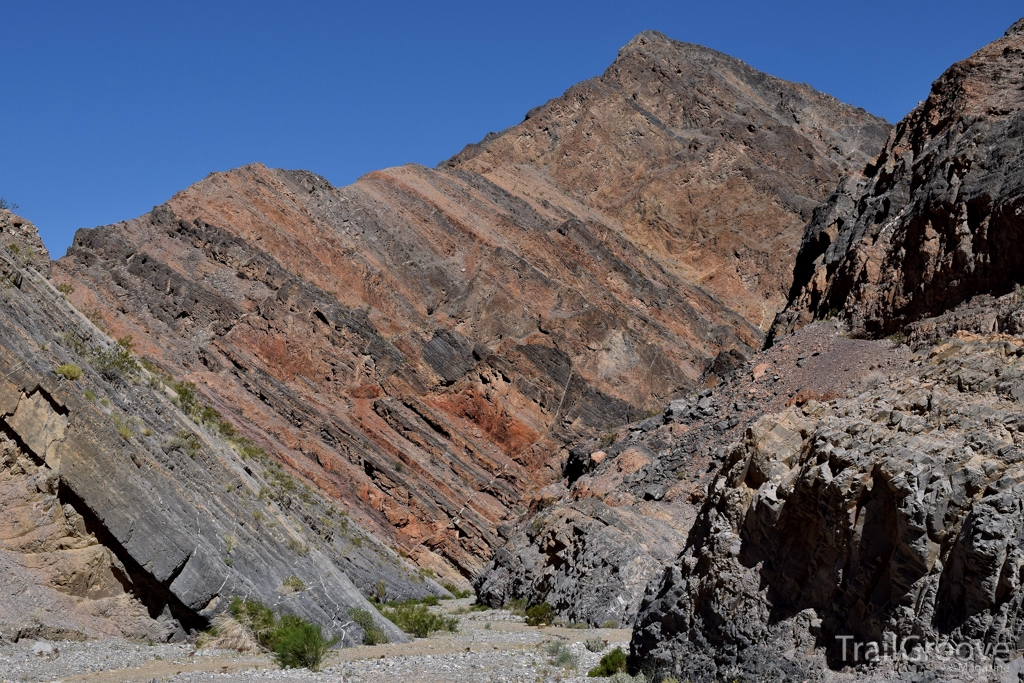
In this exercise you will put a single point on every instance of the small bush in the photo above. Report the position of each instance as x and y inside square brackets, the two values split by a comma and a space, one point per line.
[256, 617]
[186, 441]
[372, 634]
[561, 655]
[594, 644]
[612, 663]
[297, 547]
[123, 427]
[456, 591]
[70, 371]
[294, 584]
[89, 394]
[65, 288]
[118, 362]
[540, 614]
[298, 643]
[611, 623]
[417, 620]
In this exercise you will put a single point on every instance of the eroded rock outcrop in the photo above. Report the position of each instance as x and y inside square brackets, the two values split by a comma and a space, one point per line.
[628, 500]
[422, 344]
[145, 522]
[890, 515]
[936, 219]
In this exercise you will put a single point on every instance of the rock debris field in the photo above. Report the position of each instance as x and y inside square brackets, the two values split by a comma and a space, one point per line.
[493, 646]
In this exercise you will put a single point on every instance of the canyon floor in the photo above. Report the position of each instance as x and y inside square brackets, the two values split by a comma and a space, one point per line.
[493, 645]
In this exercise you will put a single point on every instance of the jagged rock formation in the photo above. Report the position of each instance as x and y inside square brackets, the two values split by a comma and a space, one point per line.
[888, 515]
[893, 514]
[122, 515]
[936, 218]
[627, 506]
[422, 344]
[57, 579]
[20, 240]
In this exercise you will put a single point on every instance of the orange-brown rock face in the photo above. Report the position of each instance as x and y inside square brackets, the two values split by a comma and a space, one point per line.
[422, 344]
[706, 164]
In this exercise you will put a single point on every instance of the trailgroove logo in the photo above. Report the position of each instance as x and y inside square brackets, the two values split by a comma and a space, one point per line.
[912, 649]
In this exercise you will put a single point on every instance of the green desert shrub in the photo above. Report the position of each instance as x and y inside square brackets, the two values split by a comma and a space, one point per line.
[540, 614]
[612, 663]
[70, 371]
[296, 643]
[561, 655]
[118, 361]
[292, 641]
[456, 591]
[256, 617]
[417, 620]
[372, 634]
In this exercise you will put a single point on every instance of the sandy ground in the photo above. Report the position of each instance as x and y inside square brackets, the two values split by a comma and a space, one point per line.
[492, 646]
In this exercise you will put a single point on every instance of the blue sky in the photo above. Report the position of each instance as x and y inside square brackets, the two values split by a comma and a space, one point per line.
[109, 108]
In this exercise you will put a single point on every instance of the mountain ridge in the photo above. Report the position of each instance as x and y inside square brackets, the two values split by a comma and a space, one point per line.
[427, 337]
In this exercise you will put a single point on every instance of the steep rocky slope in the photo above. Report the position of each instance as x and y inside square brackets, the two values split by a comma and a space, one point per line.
[124, 515]
[629, 499]
[422, 344]
[890, 516]
[936, 219]
[706, 164]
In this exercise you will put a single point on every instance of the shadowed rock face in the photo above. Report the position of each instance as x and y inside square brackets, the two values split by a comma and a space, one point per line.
[937, 218]
[889, 514]
[893, 513]
[122, 516]
[422, 344]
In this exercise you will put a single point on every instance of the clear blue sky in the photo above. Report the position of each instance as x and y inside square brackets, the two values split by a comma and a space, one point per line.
[109, 108]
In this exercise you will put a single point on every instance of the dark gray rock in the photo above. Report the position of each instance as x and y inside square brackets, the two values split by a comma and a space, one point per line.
[192, 523]
[871, 517]
[589, 561]
[935, 219]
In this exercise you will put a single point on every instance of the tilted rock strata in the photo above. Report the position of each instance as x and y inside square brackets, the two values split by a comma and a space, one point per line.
[937, 219]
[707, 164]
[57, 580]
[422, 344]
[892, 514]
[20, 240]
[189, 522]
